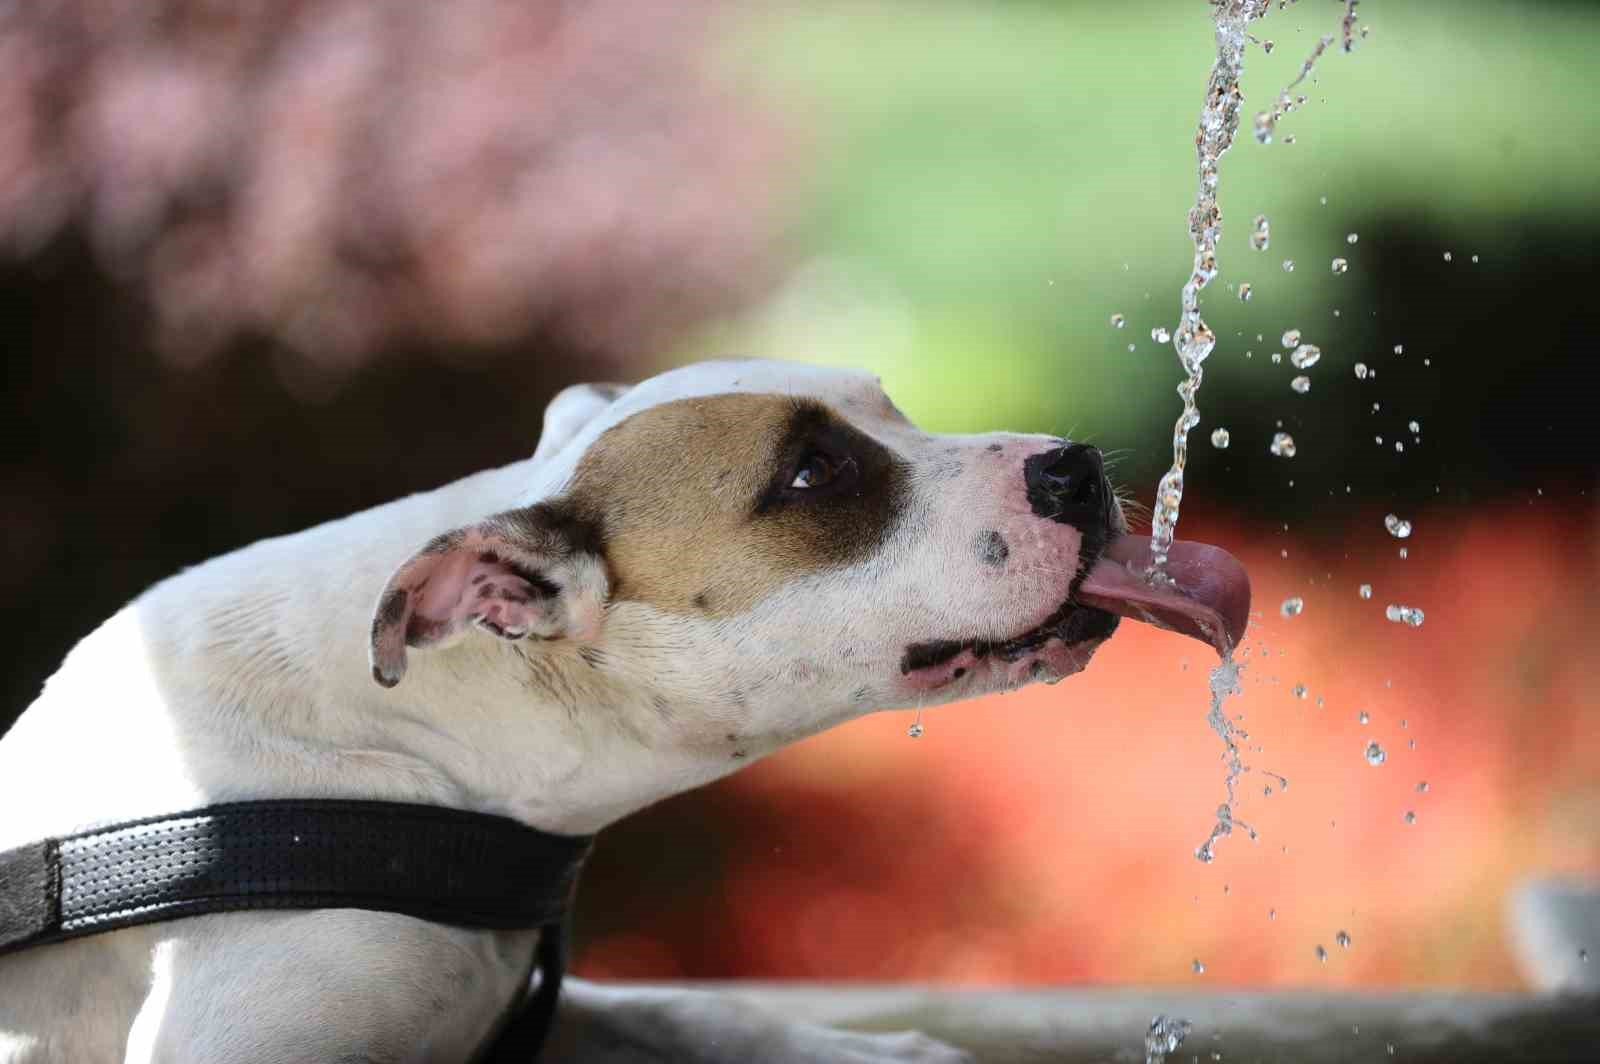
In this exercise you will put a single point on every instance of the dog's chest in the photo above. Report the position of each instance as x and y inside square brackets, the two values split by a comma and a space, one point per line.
[319, 985]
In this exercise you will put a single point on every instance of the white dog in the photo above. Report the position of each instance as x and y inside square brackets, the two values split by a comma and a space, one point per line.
[687, 575]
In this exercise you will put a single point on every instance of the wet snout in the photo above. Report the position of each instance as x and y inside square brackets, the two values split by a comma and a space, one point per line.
[1068, 484]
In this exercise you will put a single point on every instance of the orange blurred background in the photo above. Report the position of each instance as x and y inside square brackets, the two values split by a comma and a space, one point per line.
[1047, 836]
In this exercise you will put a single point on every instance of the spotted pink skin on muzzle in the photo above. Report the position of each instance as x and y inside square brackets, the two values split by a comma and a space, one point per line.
[1013, 597]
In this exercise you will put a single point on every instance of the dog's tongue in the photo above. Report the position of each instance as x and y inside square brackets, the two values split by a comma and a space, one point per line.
[1209, 597]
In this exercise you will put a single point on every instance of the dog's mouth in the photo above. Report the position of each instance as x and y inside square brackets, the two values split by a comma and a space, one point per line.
[1206, 596]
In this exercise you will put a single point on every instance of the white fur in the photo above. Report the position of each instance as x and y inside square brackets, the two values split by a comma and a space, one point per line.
[247, 677]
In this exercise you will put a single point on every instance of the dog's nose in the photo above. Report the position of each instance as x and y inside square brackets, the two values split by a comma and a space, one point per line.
[1068, 484]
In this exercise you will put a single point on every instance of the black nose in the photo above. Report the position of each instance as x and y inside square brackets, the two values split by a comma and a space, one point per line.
[1068, 484]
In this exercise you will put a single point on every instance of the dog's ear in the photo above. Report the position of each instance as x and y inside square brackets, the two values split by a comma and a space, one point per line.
[533, 572]
[571, 410]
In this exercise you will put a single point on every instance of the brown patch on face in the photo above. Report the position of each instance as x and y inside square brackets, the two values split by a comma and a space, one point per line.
[694, 495]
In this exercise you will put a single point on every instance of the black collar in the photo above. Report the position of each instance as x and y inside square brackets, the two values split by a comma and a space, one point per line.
[444, 865]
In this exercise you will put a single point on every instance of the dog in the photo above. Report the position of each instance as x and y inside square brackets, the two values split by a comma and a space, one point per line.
[688, 574]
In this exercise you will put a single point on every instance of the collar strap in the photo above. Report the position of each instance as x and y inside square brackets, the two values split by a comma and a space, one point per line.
[444, 865]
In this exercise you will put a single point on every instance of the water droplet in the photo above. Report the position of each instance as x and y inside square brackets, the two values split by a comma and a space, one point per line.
[1448, 256]
[1288, 265]
[1291, 337]
[1363, 717]
[1387, 1045]
[1268, 46]
[1398, 527]
[1131, 347]
[1340, 266]
[1299, 690]
[915, 731]
[1261, 237]
[1292, 606]
[1399, 349]
[1410, 817]
[1583, 956]
[1277, 357]
[1282, 445]
[1322, 954]
[1245, 291]
[1414, 426]
[1199, 968]
[1305, 356]
[1118, 321]
[1404, 614]
[1219, 439]
[1343, 938]
[1302, 385]
[1404, 554]
[1160, 335]
[1289, 139]
[1474, 258]
[1374, 753]
[1365, 591]
[1361, 371]
[1422, 786]
[1272, 914]
[1351, 238]
[1399, 446]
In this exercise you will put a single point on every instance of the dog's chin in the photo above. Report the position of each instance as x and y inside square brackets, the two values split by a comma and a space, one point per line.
[1047, 653]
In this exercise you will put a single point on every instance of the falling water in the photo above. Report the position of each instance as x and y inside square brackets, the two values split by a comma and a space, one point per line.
[1219, 120]
[1194, 340]
[1225, 682]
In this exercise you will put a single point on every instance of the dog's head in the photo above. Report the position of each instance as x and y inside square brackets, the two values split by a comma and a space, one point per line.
[761, 550]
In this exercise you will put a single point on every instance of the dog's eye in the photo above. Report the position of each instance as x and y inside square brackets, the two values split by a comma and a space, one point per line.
[816, 470]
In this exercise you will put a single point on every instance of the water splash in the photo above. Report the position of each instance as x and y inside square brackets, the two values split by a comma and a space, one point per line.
[1164, 1036]
[1219, 120]
[1225, 682]
[1267, 121]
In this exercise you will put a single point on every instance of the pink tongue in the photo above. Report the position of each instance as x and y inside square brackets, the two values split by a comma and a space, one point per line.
[1209, 598]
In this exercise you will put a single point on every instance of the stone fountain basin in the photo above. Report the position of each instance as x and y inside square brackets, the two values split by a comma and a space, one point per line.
[1107, 1025]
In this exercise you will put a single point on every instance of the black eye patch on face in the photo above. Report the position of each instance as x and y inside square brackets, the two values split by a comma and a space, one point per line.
[850, 512]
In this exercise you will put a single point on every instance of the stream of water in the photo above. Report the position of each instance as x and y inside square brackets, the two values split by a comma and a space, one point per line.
[1194, 340]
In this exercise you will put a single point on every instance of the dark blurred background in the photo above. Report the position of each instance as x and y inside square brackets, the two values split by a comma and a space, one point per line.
[266, 263]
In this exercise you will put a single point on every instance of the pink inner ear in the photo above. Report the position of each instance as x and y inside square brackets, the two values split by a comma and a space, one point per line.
[473, 588]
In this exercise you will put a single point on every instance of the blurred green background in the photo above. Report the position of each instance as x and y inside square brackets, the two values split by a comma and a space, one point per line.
[994, 181]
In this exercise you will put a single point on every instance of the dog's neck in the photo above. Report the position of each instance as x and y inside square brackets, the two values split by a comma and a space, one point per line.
[247, 677]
